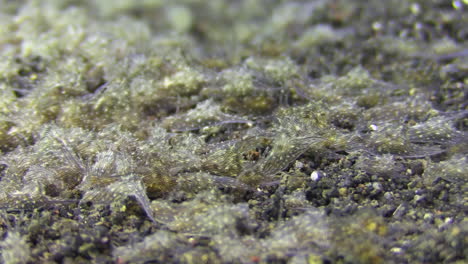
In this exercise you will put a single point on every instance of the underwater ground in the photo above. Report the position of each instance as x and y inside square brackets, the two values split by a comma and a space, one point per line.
[235, 131]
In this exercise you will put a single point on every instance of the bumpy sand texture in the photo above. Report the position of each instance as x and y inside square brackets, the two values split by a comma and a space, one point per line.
[246, 131]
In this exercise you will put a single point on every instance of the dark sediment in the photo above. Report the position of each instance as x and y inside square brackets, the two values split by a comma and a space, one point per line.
[233, 131]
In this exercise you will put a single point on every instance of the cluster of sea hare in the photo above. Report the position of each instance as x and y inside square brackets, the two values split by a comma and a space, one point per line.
[247, 131]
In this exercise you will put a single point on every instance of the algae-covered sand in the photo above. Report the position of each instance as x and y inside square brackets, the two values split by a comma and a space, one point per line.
[235, 131]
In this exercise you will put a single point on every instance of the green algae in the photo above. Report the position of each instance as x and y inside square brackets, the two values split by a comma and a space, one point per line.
[232, 131]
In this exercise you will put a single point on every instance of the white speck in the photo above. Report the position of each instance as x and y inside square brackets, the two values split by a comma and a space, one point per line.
[396, 250]
[377, 186]
[373, 127]
[418, 26]
[315, 175]
[458, 4]
[377, 26]
[388, 196]
[447, 222]
[299, 165]
[415, 9]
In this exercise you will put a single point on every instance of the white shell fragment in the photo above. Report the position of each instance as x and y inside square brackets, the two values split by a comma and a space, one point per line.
[315, 175]
[373, 127]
